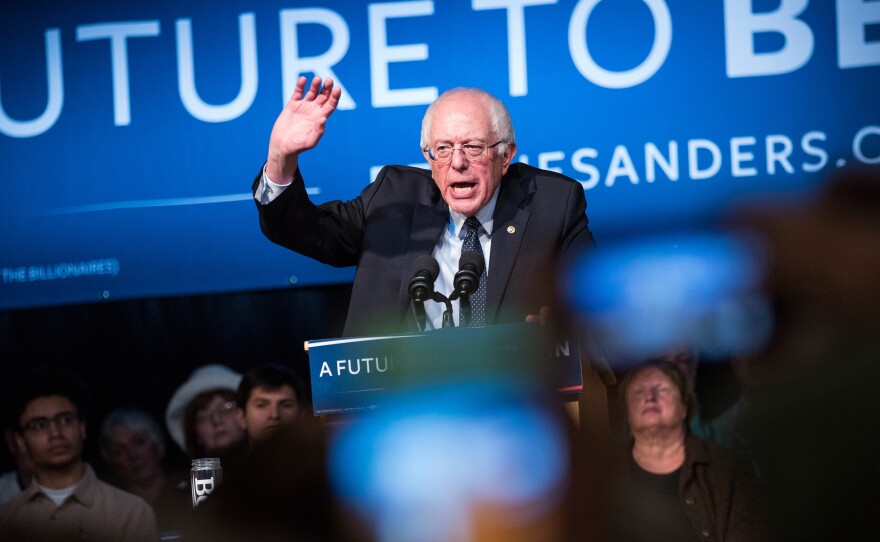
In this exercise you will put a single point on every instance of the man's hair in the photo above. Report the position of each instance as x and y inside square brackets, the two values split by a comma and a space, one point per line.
[136, 419]
[499, 117]
[43, 382]
[269, 377]
[673, 372]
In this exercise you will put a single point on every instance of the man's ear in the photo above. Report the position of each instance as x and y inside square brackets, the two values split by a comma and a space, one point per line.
[19, 441]
[509, 152]
[11, 442]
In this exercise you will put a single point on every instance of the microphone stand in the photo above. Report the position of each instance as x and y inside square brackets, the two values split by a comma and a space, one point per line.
[464, 307]
[421, 316]
[447, 314]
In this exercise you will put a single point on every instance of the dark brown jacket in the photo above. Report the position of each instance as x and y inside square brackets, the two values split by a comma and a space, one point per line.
[717, 489]
[720, 493]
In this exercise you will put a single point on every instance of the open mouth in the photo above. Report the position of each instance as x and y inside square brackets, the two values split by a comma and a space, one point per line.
[463, 190]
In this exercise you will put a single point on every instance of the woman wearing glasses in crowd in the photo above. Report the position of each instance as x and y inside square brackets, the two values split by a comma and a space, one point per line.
[201, 415]
[672, 485]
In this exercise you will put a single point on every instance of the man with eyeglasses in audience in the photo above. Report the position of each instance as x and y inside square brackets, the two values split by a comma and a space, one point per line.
[523, 219]
[65, 501]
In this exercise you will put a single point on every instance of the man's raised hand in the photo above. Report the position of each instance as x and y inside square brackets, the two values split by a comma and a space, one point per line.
[300, 126]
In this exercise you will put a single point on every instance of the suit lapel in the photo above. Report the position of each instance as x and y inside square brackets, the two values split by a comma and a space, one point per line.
[508, 229]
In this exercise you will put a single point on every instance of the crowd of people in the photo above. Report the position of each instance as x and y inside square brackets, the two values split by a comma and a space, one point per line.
[782, 462]
[55, 494]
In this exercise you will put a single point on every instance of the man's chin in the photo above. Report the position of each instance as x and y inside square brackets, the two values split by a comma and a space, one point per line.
[62, 462]
[267, 432]
[466, 207]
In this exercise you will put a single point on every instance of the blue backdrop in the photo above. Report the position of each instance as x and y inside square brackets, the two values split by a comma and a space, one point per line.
[130, 131]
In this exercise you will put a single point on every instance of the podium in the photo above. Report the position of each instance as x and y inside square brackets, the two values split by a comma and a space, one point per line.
[363, 373]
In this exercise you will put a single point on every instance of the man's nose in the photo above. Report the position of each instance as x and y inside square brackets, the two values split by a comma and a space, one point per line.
[54, 429]
[457, 160]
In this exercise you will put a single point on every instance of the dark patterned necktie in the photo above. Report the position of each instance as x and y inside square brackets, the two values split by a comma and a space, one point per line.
[478, 298]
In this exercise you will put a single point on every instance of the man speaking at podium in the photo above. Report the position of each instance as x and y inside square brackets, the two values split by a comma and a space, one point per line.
[522, 219]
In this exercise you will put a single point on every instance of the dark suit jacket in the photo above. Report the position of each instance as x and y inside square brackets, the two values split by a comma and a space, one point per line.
[539, 218]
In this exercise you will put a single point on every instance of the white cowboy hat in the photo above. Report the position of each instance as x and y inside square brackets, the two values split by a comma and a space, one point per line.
[205, 378]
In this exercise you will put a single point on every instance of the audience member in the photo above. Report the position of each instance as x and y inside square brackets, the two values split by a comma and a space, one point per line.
[676, 486]
[269, 397]
[687, 360]
[202, 414]
[65, 501]
[724, 428]
[133, 447]
[277, 488]
[13, 482]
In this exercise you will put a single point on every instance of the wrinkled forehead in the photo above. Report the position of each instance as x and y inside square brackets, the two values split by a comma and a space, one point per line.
[460, 116]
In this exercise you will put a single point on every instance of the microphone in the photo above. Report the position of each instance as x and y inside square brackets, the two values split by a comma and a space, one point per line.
[466, 282]
[470, 267]
[421, 286]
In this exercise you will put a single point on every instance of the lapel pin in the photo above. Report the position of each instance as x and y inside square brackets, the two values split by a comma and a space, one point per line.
[511, 229]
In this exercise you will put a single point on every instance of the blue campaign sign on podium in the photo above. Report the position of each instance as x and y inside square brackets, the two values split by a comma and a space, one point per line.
[130, 133]
[355, 374]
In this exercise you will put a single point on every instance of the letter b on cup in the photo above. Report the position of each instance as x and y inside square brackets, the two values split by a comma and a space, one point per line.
[205, 476]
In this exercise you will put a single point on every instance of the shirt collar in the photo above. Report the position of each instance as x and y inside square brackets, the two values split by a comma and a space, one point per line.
[484, 215]
[84, 491]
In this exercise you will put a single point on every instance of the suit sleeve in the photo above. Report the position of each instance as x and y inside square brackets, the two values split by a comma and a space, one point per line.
[576, 235]
[331, 233]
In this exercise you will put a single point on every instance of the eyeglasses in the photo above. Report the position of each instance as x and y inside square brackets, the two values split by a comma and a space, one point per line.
[222, 411]
[60, 421]
[471, 151]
